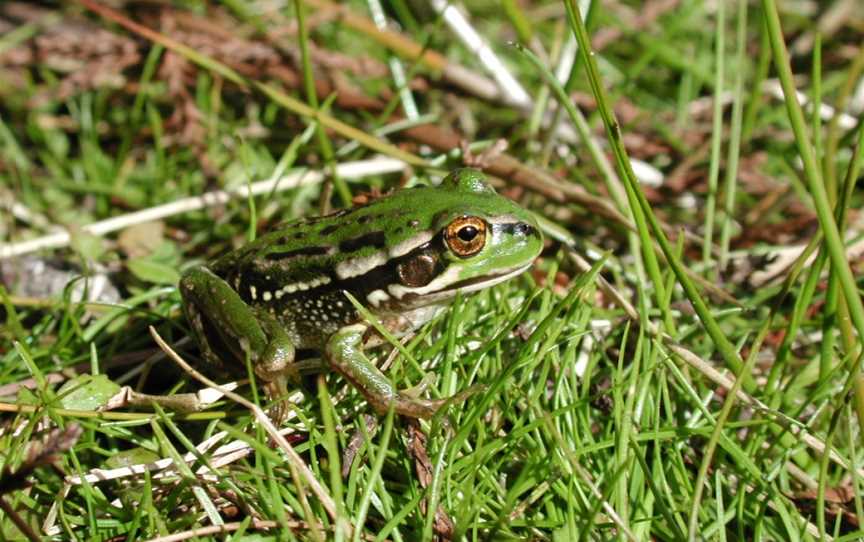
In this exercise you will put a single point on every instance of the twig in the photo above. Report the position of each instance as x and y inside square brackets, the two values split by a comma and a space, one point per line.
[19, 522]
[293, 458]
[455, 74]
[397, 70]
[231, 527]
[224, 455]
[23, 213]
[347, 170]
[514, 93]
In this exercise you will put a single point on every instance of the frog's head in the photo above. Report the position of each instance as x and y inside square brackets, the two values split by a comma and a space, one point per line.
[477, 238]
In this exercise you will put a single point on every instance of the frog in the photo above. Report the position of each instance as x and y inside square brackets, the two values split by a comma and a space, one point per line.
[404, 257]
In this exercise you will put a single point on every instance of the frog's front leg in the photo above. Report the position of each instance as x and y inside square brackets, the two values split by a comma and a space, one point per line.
[344, 352]
[228, 330]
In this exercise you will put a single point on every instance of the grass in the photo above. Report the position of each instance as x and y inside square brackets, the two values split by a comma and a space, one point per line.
[642, 382]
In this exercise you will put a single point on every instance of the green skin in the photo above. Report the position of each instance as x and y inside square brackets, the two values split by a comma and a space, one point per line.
[402, 256]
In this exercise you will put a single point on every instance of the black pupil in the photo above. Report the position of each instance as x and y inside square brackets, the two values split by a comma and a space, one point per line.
[467, 233]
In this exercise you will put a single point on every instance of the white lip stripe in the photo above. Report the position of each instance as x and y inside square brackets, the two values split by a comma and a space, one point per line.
[431, 290]
[489, 283]
[435, 297]
[441, 281]
[496, 280]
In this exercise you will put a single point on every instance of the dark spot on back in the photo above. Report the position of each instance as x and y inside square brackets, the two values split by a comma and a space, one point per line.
[365, 218]
[329, 229]
[374, 239]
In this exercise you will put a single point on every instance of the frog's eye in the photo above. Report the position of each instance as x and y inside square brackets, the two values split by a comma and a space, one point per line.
[466, 236]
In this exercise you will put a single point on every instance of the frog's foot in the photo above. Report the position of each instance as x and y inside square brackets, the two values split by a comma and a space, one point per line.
[419, 388]
[412, 406]
[409, 405]
[463, 395]
[277, 392]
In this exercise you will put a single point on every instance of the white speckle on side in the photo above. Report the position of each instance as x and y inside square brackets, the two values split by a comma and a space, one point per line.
[321, 281]
[253, 291]
[302, 286]
[359, 266]
[267, 296]
[376, 297]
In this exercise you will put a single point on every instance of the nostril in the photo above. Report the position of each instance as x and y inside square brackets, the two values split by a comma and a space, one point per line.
[523, 229]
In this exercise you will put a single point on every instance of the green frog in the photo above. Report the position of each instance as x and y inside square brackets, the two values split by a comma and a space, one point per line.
[404, 256]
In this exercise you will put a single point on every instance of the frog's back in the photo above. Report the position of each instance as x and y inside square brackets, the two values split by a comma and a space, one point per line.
[313, 252]
[299, 271]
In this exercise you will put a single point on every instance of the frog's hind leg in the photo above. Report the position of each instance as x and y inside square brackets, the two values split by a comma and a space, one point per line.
[222, 321]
